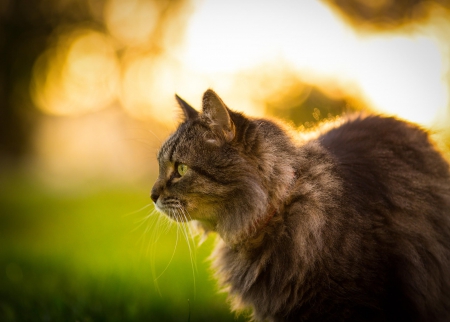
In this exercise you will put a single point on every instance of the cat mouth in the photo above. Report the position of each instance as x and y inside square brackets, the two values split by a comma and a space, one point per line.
[176, 215]
[174, 211]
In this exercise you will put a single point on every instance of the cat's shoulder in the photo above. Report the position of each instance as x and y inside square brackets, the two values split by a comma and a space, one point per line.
[368, 129]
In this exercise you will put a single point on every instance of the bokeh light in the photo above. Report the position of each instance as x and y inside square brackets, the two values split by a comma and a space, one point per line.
[149, 85]
[132, 22]
[401, 73]
[288, 53]
[76, 76]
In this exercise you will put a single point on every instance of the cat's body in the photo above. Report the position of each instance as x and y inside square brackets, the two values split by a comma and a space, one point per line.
[352, 224]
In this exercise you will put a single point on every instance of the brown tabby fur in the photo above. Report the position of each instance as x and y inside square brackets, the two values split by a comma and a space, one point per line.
[349, 224]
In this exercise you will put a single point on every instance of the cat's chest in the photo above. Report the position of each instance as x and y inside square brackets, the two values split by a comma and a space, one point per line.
[269, 281]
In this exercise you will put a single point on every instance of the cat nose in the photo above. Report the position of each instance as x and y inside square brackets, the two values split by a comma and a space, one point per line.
[154, 195]
[156, 191]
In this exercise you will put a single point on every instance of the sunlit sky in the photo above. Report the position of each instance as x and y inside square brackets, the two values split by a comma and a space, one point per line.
[398, 74]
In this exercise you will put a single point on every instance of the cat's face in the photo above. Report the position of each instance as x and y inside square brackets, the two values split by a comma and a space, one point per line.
[204, 174]
[190, 183]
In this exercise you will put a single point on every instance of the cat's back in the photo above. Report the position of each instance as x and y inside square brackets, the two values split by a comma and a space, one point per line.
[383, 155]
[391, 167]
[382, 138]
[397, 183]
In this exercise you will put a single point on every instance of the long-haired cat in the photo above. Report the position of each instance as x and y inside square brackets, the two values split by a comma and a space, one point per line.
[349, 224]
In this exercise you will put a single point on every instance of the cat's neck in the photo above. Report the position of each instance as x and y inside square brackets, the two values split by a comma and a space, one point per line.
[262, 222]
[272, 149]
[278, 159]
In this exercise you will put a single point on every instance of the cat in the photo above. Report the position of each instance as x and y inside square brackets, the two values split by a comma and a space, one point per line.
[349, 223]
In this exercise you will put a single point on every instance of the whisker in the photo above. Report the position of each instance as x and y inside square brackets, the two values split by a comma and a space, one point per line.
[141, 222]
[156, 137]
[145, 219]
[157, 225]
[156, 234]
[187, 228]
[184, 230]
[152, 221]
[171, 258]
[191, 233]
[139, 210]
[191, 252]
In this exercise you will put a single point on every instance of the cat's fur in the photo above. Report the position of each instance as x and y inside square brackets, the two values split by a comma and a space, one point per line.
[349, 224]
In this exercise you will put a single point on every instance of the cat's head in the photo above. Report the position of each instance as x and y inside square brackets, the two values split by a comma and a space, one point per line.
[212, 170]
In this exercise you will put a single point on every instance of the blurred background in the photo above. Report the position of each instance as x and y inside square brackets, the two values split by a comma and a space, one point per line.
[87, 98]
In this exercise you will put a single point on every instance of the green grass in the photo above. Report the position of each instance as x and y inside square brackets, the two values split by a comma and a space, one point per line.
[85, 256]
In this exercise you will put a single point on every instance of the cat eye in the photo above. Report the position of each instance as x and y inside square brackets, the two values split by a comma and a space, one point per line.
[182, 169]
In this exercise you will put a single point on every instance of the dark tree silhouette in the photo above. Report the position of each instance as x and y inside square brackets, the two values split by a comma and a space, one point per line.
[25, 27]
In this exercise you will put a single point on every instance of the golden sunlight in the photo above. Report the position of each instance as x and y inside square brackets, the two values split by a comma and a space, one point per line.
[78, 75]
[132, 22]
[149, 84]
[398, 74]
[153, 51]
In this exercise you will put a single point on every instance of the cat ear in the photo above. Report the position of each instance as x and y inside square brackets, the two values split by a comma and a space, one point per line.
[188, 111]
[217, 112]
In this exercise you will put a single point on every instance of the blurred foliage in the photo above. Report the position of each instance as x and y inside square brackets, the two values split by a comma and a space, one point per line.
[308, 107]
[384, 15]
